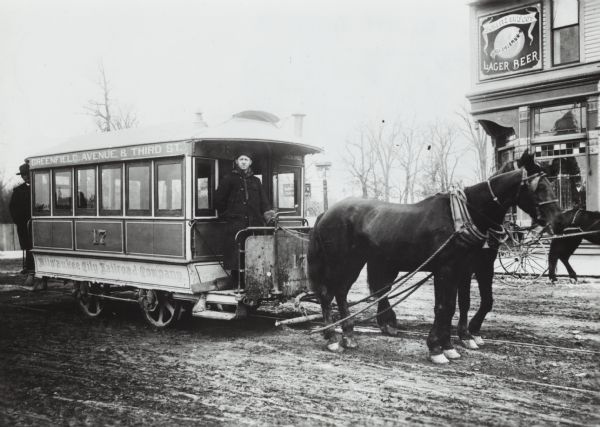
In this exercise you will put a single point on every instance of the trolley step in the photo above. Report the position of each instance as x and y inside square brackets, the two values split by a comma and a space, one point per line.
[212, 314]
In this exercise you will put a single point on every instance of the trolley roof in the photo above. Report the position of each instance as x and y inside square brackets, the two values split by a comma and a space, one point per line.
[168, 139]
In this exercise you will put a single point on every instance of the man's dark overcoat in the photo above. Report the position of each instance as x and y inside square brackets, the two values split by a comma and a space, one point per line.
[20, 211]
[242, 202]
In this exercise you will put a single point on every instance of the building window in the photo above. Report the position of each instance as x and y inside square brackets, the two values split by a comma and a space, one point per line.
[169, 188]
[86, 191]
[41, 193]
[205, 172]
[138, 189]
[565, 31]
[559, 120]
[63, 196]
[110, 190]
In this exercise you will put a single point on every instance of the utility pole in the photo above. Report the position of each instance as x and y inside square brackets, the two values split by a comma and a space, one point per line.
[323, 167]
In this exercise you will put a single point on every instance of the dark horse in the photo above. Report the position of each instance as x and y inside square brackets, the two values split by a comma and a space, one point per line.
[483, 269]
[573, 221]
[391, 238]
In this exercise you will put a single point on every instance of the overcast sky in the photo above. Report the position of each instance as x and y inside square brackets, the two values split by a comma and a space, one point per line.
[342, 63]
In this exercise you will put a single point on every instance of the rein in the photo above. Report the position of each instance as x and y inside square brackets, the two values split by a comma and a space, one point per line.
[396, 284]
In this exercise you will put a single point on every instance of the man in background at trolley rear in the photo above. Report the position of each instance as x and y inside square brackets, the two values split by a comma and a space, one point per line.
[242, 202]
[20, 211]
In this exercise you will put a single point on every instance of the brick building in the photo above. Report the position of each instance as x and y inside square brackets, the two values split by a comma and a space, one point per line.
[535, 85]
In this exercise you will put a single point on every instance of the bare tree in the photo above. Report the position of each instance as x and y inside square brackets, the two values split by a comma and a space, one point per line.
[360, 161]
[410, 149]
[479, 142]
[383, 141]
[442, 160]
[105, 112]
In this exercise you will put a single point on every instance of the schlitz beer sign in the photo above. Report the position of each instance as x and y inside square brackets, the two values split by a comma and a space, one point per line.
[509, 42]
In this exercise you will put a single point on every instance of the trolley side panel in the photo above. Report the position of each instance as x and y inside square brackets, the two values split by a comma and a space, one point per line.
[149, 275]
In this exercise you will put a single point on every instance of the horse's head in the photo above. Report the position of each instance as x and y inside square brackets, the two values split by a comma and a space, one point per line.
[536, 195]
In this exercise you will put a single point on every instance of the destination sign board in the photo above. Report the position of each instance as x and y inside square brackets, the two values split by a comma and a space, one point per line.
[163, 149]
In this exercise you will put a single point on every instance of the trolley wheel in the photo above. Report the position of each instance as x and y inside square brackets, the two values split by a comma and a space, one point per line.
[90, 305]
[528, 259]
[160, 309]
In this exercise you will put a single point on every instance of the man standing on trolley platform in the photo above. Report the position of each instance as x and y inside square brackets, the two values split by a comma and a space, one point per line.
[20, 211]
[242, 202]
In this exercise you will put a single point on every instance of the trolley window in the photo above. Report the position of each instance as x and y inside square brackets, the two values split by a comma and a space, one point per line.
[63, 196]
[205, 175]
[110, 190]
[138, 189]
[286, 188]
[41, 193]
[169, 188]
[86, 191]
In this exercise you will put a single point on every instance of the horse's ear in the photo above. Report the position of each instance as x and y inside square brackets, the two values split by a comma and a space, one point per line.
[526, 161]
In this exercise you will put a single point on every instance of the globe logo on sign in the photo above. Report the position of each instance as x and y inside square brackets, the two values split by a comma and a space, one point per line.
[509, 43]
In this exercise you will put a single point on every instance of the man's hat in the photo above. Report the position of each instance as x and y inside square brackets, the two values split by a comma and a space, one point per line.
[24, 169]
[246, 153]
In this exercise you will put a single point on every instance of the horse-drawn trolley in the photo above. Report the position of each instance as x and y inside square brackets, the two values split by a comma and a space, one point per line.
[130, 215]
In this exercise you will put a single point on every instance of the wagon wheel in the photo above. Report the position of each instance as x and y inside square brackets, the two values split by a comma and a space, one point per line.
[90, 305]
[160, 309]
[527, 259]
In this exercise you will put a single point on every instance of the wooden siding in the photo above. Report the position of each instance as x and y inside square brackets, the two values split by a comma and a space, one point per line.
[209, 240]
[88, 235]
[52, 234]
[155, 238]
[591, 30]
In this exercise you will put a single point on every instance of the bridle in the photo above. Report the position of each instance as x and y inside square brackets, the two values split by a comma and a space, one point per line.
[531, 181]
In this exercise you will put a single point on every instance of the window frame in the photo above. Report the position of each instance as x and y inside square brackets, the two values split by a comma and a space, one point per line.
[139, 212]
[35, 212]
[209, 212]
[56, 211]
[110, 212]
[169, 212]
[85, 211]
[554, 29]
[297, 171]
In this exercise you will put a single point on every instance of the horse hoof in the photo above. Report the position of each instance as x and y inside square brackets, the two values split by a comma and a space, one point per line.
[573, 281]
[478, 340]
[349, 342]
[335, 347]
[390, 330]
[470, 344]
[438, 359]
[452, 354]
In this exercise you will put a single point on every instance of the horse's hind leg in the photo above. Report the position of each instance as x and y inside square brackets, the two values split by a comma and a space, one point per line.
[552, 261]
[571, 246]
[572, 274]
[329, 334]
[348, 339]
[380, 278]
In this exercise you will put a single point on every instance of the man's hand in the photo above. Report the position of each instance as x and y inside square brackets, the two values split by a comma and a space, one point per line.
[269, 217]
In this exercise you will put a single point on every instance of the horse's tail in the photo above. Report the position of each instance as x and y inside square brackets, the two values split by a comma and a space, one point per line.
[316, 258]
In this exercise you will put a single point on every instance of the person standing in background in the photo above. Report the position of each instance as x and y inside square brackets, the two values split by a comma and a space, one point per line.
[20, 211]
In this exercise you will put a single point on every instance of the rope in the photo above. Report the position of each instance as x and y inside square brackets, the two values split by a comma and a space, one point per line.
[397, 283]
[298, 235]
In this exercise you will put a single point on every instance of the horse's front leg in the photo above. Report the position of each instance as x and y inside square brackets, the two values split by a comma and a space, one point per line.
[552, 261]
[464, 303]
[348, 339]
[439, 339]
[484, 273]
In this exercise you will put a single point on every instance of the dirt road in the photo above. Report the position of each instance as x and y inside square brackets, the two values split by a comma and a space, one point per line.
[540, 366]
